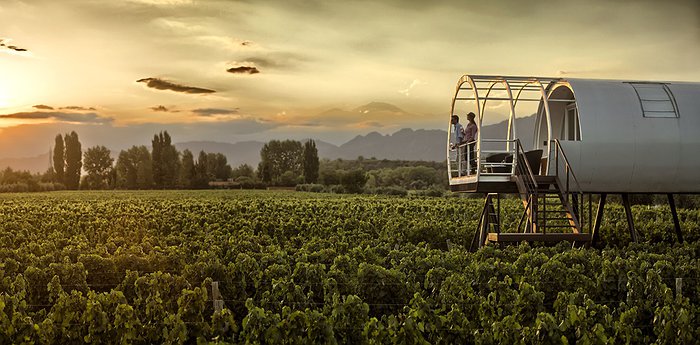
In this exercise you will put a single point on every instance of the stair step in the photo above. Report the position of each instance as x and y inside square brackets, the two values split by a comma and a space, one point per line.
[539, 237]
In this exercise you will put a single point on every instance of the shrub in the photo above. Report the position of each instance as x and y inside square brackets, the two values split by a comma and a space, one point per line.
[392, 190]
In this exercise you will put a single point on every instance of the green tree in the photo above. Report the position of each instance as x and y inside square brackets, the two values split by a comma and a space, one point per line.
[134, 168]
[354, 180]
[265, 171]
[74, 158]
[98, 165]
[311, 163]
[187, 169]
[217, 167]
[201, 178]
[156, 159]
[170, 162]
[166, 161]
[59, 159]
[243, 170]
[278, 157]
[329, 177]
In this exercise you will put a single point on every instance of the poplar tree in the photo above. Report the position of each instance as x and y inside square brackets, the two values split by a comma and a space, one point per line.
[169, 161]
[74, 160]
[311, 163]
[165, 160]
[156, 154]
[59, 159]
[187, 170]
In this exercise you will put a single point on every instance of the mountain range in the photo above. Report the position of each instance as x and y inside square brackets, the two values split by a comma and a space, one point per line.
[405, 144]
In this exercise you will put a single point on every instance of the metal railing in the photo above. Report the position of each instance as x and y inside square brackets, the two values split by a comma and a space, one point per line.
[570, 187]
[482, 163]
[461, 161]
[527, 184]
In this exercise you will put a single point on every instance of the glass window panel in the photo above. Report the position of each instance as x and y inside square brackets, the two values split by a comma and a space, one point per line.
[656, 100]
[657, 106]
[660, 114]
[652, 93]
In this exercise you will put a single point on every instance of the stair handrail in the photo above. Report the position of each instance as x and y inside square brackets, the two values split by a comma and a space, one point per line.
[559, 151]
[520, 152]
[567, 167]
[529, 180]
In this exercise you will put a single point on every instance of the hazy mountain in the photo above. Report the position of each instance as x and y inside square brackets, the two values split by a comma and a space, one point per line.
[407, 144]
[379, 107]
[35, 164]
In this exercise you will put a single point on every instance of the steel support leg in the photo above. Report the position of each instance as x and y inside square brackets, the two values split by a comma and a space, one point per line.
[676, 223]
[630, 219]
[595, 236]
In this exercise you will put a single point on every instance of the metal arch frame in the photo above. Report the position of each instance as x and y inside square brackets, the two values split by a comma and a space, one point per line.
[549, 90]
[480, 102]
[464, 79]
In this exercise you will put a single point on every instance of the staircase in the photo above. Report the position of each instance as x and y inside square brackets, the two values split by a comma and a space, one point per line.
[552, 208]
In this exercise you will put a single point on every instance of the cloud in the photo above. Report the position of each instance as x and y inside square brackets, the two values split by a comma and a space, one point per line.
[370, 115]
[161, 108]
[214, 111]
[10, 47]
[58, 116]
[277, 60]
[78, 108]
[43, 107]
[407, 91]
[163, 2]
[160, 84]
[243, 70]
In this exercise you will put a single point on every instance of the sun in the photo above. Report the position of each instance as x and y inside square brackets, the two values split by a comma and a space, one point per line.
[5, 96]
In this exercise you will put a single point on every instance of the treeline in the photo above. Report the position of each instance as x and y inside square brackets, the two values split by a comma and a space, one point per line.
[162, 167]
[284, 163]
[291, 163]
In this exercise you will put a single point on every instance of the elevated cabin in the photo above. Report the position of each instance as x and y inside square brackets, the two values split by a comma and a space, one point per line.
[589, 137]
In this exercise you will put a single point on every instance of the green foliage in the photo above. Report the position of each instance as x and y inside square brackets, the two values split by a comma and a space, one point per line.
[59, 159]
[138, 267]
[98, 165]
[187, 171]
[74, 160]
[311, 162]
[243, 170]
[165, 161]
[353, 181]
[278, 157]
[134, 169]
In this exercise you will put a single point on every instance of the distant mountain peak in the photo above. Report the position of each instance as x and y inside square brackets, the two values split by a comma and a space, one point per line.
[379, 107]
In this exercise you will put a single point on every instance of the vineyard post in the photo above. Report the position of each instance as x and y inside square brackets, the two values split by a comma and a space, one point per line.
[216, 297]
[679, 288]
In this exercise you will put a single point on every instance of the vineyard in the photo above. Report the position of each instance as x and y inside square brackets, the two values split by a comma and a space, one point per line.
[291, 267]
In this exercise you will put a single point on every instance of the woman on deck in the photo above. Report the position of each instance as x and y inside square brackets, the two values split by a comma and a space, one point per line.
[471, 133]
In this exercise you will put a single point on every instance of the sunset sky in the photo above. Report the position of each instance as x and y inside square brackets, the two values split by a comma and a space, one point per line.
[224, 70]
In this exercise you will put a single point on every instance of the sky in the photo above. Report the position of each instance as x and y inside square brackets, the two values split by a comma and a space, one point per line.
[228, 70]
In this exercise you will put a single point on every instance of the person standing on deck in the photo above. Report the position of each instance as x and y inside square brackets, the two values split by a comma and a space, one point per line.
[470, 134]
[457, 139]
[457, 132]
